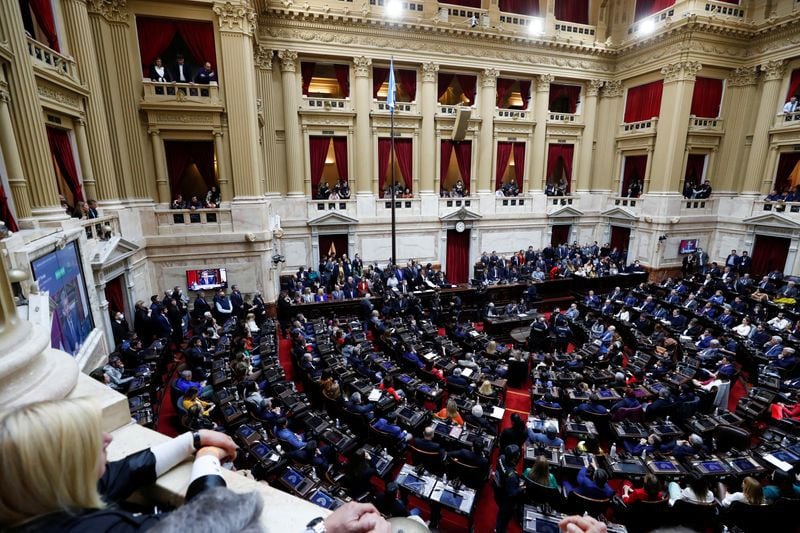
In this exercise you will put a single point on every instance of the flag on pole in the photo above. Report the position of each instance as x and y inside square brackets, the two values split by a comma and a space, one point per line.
[390, 97]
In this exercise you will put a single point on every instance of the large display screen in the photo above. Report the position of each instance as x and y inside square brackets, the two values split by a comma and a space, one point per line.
[60, 274]
[207, 278]
[688, 246]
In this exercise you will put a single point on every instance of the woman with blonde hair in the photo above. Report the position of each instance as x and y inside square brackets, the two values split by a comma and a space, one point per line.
[451, 413]
[486, 388]
[540, 473]
[751, 493]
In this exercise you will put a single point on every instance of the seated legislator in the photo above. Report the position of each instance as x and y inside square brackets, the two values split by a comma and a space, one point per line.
[594, 486]
[427, 444]
[450, 412]
[540, 473]
[649, 492]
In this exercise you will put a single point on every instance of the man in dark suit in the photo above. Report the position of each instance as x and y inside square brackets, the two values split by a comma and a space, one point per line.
[733, 261]
[456, 379]
[427, 444]
[473, 457]
[356, 406]
[744, 263]
[200, 305]
[161, 325]
[205, 75]
[237, 300]
[181, 72]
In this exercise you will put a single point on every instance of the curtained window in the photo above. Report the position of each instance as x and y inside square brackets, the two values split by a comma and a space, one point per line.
[787, 175]
[513, 94]
[564, 98]
[520, 7]
[457, 256]
[695, 169]
[325, 81]
[576, 11]
[318, 147]
[403, 161]
[475, 4]
[645, 8]
[5, 211]
[634, 169]
[166, 38]
[560, 234]
[559, 166]
[794, 84]
[455, 89]
[190, 167]
[449, 172]
[64, 162]
[405, 82]
[508, 168]
[620, 237]
[769, 253]
[706, 97]
[643, 102]
[115, 296]
[38, 15]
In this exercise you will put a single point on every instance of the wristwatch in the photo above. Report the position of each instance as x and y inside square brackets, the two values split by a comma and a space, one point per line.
[316, 526]
[196, 440]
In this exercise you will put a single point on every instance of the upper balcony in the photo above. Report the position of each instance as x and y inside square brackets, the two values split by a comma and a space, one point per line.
[48, 60]
[624, 203]
[763, 207]
[400, 108]
[722, 9]
[575, 31]
[182, 94]
[698, 206]
[787, 120]
[451, 110]
[563, 118]
[313, 103]
[702, 125]
[193, 221]
[642, 127]
[318, 208]
[513, 114]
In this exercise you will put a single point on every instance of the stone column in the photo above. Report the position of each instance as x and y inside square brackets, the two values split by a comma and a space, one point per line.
[222, 168]
[673, 123]
[236, 25]
[772, 75]
[363, 98]
[273, 154]
[89, 188]
[608, 118]
[740, 90]
[8, 146]
[294, 140]
[427, 135]
[27, 119]
[587, 140]
[536, 170]
[96, 140]
[486, 137]
[160, 163]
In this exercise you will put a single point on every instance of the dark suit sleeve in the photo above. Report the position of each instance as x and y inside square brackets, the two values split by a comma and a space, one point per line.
[123, 477]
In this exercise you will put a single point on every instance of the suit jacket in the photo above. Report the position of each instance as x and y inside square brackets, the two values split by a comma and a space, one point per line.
[428, 445]
[167, 77]
[187, 73]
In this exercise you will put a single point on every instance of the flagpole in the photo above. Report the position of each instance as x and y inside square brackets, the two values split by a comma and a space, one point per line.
[391, 136]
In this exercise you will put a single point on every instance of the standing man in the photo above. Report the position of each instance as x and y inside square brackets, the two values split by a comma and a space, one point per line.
[733, 261]
[182, 73]
[237, 301]
[744, 263]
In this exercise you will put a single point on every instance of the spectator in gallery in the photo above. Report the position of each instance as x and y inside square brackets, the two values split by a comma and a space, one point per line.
[195, 203]
[159, 73]
[91, 211]
[458, 189]
[205, 75]
[704, 191]
[635, 189]
[344, 189]
[182, 73]
[791, 106]
[178, 202]
[212, 197]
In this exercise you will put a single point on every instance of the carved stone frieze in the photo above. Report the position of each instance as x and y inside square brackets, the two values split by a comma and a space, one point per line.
[183, 118]
[742, 77]
[773, 70]
[59, 95]
[361, 66]
[288, 60]
[612, 89]
[236, 18]
[111, 10]
[681, 71]
[594, 87]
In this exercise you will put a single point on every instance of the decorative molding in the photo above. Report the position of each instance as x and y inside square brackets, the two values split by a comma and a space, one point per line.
[742, 77]
[5, 96]
[594, 87]
[183, 118]
[263, 57]
[543, 82]
[773, 70]
[288, 60]
[429, 72]
[681, 71]
[235, 18]
[111, 10]
[59, 95]
[153, 131]
[361, 66]
[612, 89]
[489, 77]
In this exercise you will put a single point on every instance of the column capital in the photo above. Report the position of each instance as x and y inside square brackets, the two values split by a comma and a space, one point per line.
[80, 120]
[111, 10]
[773, 70]
[681, 71]
[288, 60]
[429, 71]
[361, 65]
[612, 89]
[543, 82]
[489, 77]
[218, 133]
[236, 18]
[741, 77]
[154, 132]
[263, 57]
[5, 96]
[594, 87]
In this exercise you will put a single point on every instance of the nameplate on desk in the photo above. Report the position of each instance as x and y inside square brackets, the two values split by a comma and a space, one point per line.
[467, 372]
[429, 356]
[374, 395]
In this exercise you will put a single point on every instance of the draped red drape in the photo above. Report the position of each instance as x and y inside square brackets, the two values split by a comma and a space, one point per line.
[643, 101]
[43, 13]
[457, 256]
[706, 97]
[384, 154]
[769, 253]
[62, 152]
[379, 77]
[306, 73]
[525, 92]
[405, 157]
[408, 81]
[445, 79]
[463, 150]
[564, 94]
[576, 11]
[620, 237]
[199, 39]
[203, 156]
[343, 77]
[340, 153]
[468, 82]
[5, 211]
[503, 86]
[156, 34]
[503, 156]
[475, 4]
[519, 164]
[115, 296]
[787, 163]
[564, 152]
[648, 7]
[694, 168]
[520, 7]
[635, 167]
[560, 234]
[794, 84]
[446, 152]
[178, 158]
[318, 152]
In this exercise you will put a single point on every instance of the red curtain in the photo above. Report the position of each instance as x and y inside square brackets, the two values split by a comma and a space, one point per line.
[467, 82]
[576, 11]
[62, 152]
[203, 156]
[404, 156]
[199, 39]
[520, 7]
[384, 154]
[379, 77]
[114, 296]
[155, 34]
[634, 169]
[503, 86]
[306, 73]
[560, 93]
[343, 77]
[340, 153]
[318, 152]
[445, 79]
[503, 156]
[178, 158]
[564, 152]
[408, 81]
[694, 168]
[519, 164]
[648, 7]
[620, 237]
[476, 4]
[644, 101]
[769, 253]
[43, 13]
[794, 84]
[446, 152]
[525, 92]
[463, 150]
[5, 211]
[457, 256]
[787, 163]
[560, 234]
[336, 244]
[706, 98]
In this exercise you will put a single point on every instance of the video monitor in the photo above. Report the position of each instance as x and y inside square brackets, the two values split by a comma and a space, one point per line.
[664, 466]
[605, 393]
[406, 412]
[572, 460]
[207, 278]
[443, 429]
[786, 457]
[744, 465]
[413, 483]
[451, 498]
[261, 450]
[712, 467]
[292, 477]
[323, 499]
[688, 246]
[579, 428]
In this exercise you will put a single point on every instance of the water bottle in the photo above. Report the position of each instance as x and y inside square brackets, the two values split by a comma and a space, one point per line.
[444, 478]
[644, 453]
[666, 420]
[337, 423]
[236, 395]
[613, 452]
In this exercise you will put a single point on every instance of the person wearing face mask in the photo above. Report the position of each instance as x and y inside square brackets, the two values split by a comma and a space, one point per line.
[119, 328]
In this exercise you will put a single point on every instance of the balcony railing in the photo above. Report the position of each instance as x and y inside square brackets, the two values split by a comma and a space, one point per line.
[460, 12]
[643, 126]
[787, 119]
[515, 20]
[705, 124]
[765, 206]
[512, 114]
[698, 206]
[564, 118]
[399, 107]
[326, 104]
[556, 203]
[449, 110]
[451, 205]
[193, 221]
[101, 228]
[318, 208]
[181, 92]
[725, 9]
[512, 204]
[629, 205]
[657, 18]
[572, 29]
[52, 60]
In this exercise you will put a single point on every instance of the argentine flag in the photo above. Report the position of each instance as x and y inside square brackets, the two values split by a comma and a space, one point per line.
[390, 97]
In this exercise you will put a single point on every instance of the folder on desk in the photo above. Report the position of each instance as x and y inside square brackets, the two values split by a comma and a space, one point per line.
[374, 395]
[497, 412]
[467, 372]
[455, 431]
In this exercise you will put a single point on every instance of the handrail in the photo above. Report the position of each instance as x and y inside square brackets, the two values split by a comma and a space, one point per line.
[51, 59]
